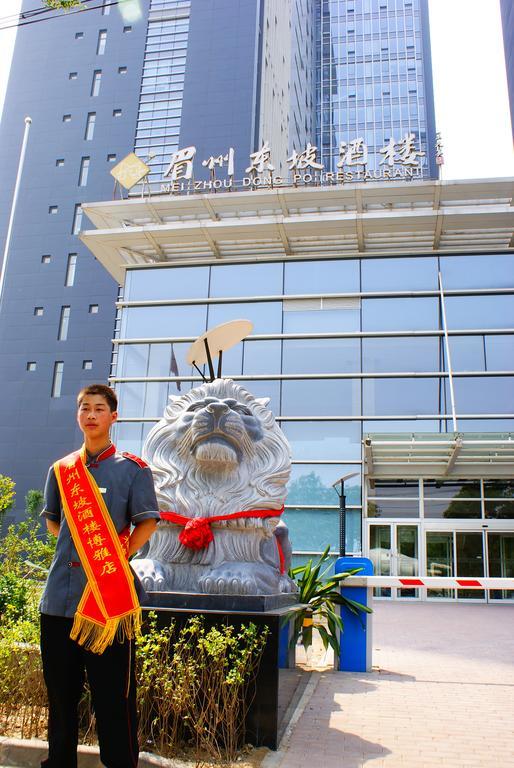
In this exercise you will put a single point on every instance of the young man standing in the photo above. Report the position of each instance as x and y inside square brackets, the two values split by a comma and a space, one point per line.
[101, 505]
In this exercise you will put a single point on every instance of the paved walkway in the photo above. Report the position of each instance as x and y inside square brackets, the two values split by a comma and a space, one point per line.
[441, 695]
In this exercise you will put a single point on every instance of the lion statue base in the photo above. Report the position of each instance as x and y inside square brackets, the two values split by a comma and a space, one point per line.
[220, 464]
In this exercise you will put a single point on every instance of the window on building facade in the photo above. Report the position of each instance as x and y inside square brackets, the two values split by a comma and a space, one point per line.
[77, 219]
[93, 309]
[127, 29]
[73, 76]
[106, 7]
[102, 40]
[90, 126]
[70, 270]
[87, 365]
[111, 158]
[38, 311]
[116, 112]
[57, 378]
[46, 258]
[79, 35]
[53, 209]
[84, 171]
[95, 83]
[31, 366]
[59, 162]
[122, 70]
[64, 321]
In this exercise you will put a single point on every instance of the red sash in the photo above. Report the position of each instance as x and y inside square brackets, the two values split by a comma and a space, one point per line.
[109, 606]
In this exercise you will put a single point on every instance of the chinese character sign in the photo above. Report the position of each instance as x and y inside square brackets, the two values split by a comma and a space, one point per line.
[403, 152]
[181, 164]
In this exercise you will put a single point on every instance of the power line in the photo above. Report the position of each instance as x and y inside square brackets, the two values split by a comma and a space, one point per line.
[24, 19]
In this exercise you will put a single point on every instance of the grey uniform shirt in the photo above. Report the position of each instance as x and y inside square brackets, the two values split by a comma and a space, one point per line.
[129, 495]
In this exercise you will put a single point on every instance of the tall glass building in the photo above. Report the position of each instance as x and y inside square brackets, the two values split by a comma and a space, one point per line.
[383, 333]
[374, 79]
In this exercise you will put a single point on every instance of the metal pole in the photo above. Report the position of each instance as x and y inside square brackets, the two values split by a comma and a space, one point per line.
[448, 357]
[342, 521]
[28, 121]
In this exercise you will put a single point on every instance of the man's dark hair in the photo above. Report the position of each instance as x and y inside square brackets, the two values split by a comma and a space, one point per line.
[100, 389]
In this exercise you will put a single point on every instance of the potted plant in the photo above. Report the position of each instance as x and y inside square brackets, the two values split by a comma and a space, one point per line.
[319, 596]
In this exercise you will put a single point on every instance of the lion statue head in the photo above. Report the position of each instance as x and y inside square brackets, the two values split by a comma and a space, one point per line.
[218, 450]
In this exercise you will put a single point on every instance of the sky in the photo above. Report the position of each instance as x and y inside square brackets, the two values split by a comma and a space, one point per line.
[472, 110]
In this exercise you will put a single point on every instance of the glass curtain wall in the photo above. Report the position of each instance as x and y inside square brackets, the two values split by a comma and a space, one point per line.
[162, 84]
[370, 76]
[372, 361]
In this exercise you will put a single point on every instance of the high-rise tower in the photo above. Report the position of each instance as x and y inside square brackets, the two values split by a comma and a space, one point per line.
[374, 79]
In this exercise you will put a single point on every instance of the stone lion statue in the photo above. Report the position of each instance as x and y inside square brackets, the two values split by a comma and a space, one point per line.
[220, 464]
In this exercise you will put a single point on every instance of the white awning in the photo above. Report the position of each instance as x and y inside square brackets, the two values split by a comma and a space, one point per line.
[358, 219]
[456, 455]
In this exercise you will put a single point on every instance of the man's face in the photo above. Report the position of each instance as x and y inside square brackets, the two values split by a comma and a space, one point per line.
[94, 417]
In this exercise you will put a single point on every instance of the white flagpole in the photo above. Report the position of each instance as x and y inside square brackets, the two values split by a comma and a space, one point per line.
[28, 121]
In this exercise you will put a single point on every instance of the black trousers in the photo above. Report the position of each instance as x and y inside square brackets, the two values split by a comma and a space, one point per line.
[111, 677]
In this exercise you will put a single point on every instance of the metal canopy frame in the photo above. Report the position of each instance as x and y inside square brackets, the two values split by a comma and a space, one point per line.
[457, 455]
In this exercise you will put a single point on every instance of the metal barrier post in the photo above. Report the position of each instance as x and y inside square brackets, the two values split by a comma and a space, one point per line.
[355, 654]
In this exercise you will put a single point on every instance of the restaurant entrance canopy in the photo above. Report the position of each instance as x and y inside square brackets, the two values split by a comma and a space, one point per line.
[446, 456]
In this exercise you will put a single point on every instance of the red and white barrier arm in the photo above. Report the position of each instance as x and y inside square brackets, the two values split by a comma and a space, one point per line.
[430, 582]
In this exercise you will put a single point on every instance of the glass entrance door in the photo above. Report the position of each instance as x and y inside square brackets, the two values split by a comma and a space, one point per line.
[393, 550]
[455, 553]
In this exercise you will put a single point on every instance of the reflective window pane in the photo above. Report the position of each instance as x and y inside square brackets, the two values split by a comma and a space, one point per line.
[319, 440]
[467, 353]
[163, 321]
[493, 271]
[499, 353]
[501, 561]
[382, 397]
[176, 283]
[321, 356]
[479, 312]
[470, 562]
[266, 316]
[404, 425]
[405, 314]
[449, 489]
[400, 354]
[262, 388]
[408, 489]
[337, 276]
[490, 394]
[322, 320]
[389, 508]
[133, 359]
[313, 484]
[311, 530]
[439, 559]
[455, 509]
[261, 357]
[399, 274]
[499, 509]
[246, 280]
[321, 397]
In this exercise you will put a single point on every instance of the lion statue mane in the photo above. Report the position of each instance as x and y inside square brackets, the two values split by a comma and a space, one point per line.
[217, 451]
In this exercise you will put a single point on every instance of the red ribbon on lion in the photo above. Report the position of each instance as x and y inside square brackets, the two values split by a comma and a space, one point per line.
[197, 532]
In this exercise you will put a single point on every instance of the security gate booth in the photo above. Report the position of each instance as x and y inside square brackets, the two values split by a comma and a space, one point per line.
[440, 505]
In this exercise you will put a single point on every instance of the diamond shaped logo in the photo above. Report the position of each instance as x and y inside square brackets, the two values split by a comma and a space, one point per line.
[130, 171]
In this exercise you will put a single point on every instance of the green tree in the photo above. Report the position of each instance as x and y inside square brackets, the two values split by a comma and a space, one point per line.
[64, 4]
[6, 494]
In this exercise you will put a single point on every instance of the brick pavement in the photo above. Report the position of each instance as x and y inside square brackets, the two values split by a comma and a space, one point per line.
[442, 695]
